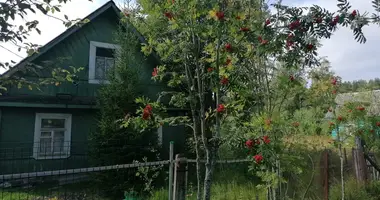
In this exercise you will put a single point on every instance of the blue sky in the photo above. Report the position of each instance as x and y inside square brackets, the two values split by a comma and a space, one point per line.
[349, 59]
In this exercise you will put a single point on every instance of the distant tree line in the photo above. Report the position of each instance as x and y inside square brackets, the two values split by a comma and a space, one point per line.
[360, 85]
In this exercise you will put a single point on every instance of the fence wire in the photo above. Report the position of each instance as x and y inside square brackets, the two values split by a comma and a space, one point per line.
[31, 171]
[231, 180]
[39, 172]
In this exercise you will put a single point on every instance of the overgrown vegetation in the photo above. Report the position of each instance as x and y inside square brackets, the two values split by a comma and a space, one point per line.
[111, 144]
[355, 191]
[242, 75]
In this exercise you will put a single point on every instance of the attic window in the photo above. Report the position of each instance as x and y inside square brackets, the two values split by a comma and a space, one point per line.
[102, 59]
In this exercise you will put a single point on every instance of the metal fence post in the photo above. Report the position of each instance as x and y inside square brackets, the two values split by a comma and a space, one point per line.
[171, 154]
[180, 177]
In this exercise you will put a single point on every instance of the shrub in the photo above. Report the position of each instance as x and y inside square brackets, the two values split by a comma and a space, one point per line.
[111, 144]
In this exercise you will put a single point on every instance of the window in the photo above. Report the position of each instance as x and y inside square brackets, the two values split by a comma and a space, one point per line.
[101, 60]
[52, 136]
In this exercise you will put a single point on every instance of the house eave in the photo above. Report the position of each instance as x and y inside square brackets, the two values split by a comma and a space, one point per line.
[73, 29]
[40, 105]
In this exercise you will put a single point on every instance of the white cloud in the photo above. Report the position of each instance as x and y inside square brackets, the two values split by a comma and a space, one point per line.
[349, 59]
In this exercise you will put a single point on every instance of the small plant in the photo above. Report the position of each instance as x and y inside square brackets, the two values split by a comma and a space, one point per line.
[131, 195]
[148, 175]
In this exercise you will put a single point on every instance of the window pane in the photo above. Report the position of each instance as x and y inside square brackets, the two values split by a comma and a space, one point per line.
[110, 62]
[105, 52]
[45, 134]
[53, 123]
[59, 134]
[99, 68]
[45, 146]
[58, 145]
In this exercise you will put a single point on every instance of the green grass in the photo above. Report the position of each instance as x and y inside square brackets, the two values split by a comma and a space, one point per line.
[230, 182]
[19, 195]
[355, 191]
[220, 191]
[46, 192]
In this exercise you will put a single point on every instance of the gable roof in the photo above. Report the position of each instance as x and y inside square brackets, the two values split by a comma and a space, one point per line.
[372, 98]
[369, 97]
[73, 29]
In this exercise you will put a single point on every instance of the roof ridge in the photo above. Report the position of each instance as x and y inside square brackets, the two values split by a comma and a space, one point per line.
[74, 28]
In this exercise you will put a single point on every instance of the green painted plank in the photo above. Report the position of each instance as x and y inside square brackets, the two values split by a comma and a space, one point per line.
[40, 105]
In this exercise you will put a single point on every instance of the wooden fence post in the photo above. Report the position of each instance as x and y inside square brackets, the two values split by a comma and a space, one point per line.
[180, 178]
[360, 165]
[171, 154]
[325, 174]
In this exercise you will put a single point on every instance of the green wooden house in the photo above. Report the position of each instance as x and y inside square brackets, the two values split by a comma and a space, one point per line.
[48, 129]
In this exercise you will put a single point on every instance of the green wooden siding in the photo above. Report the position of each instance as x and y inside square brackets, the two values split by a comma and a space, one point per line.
[17, 137]
[75, 51]
[175, 134]
[17, 123]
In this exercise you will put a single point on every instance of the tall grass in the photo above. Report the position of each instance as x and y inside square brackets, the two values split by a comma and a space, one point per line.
[230, 182]
[76, 191]
[17, 196]
[221, 191]
[355, 191]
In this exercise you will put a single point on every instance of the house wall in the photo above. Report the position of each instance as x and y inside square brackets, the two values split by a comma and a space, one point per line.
[17, 124]
[174, 134]
[74, 51]
[17, 137]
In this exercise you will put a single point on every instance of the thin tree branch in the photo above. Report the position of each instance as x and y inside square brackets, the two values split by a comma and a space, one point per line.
[311, 178]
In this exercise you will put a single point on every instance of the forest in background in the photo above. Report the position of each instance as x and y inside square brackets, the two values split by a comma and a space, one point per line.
[360, 85]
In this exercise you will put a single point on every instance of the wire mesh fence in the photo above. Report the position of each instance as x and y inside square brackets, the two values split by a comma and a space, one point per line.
[76, 171]
[231, 180]
[49, 171]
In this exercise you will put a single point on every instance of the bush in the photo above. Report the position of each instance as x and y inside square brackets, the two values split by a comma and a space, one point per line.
[111, 144]
[309, 121]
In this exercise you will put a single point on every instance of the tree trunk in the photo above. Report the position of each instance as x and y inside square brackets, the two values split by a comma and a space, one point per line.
[341, 169]
[197, 154]
[198, 168]
[274, 189]
[196, 129]
[208, 175]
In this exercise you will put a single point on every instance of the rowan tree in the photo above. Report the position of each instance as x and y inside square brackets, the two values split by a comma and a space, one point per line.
[210, 50]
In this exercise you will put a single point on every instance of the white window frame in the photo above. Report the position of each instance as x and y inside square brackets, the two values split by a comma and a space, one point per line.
[37, 135]
[160, 135]
[92, 59]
